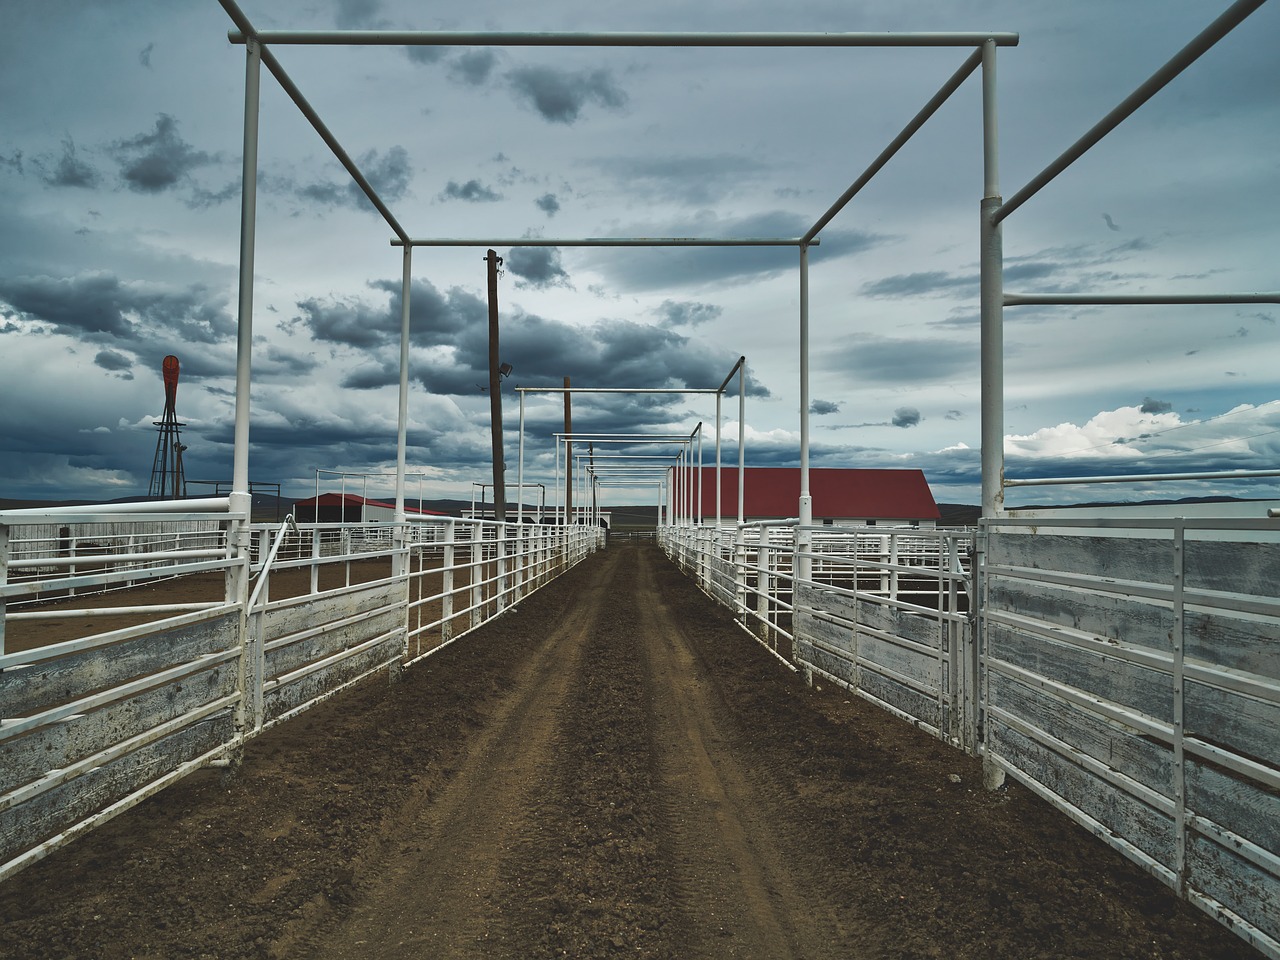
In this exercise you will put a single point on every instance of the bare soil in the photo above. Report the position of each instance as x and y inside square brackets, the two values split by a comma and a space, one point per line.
[612, 769]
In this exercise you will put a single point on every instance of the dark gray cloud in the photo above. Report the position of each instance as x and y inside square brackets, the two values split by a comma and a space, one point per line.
[283, 361]
[449, 331]
[823, 407]
[954, 415]
[657, 268]
[1150, 405]
[113, 360]
[1022, 270]
[200, 198]
[890, 360]
[918, 284]
[1053, 270]
[472, 68]
[352, 323]
[102, 308]
[906, 417]
[425, 55]
[153, 162]
[437, 318]
[686, 313]
[548, 204]
[144, 55]
[473, 191]
[371, 377]
[13, 161]
[560, 96]
[70, 170]
[389, 174]
[538, 268]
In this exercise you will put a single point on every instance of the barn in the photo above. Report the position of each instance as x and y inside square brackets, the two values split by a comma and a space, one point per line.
[351, 508]
[841, 497]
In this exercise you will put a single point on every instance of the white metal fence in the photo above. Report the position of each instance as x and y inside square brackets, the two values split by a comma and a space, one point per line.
[161, 648]
[1128, 672]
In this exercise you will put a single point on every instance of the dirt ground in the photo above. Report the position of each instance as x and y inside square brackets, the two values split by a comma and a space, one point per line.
[611, 769]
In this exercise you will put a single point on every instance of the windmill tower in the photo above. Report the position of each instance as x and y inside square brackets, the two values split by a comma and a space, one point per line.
[167, 479]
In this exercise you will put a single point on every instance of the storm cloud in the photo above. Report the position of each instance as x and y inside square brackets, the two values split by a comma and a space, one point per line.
[538, 268]
[153, 162]
[560, 96]
[473, 191]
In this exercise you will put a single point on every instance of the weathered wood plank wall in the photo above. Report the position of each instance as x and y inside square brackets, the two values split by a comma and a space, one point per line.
[1134, 682]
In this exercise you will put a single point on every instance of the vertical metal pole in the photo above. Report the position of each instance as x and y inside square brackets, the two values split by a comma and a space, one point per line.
[244, 322]
[803, 534]
[520, 467]
[495, 396]
[698, 494]
[1179, 716]
[402, 431]
[742, 434]
[719, 397]
[402, 422]
[240, 500]
[992, 298]
[568, 452]
[679, 487]
[687, 506]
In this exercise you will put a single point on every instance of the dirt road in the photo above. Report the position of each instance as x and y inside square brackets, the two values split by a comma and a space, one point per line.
[611, 769]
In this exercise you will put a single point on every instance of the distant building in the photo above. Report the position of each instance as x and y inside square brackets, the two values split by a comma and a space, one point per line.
[843, 497]
[351, 508]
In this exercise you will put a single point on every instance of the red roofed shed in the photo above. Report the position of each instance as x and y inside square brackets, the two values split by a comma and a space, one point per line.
[839, 495]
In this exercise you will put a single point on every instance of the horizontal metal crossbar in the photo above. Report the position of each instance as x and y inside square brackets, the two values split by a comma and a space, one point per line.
[457, 38]
[606, 242]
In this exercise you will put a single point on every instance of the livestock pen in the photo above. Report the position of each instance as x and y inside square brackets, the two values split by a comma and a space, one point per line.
[1125, 670]
[161, 651]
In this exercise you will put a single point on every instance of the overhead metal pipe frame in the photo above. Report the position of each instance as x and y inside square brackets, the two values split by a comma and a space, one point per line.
[256, 39]
[739, 367]
[994, 209]
[566, 439]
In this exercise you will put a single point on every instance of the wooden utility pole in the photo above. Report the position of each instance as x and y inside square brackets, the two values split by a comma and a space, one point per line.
[568, 453]
[495, 394]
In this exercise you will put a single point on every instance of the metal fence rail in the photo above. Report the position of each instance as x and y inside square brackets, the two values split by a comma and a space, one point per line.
[1126, 671]
[883, 611]
[1132, 679]
[119, 696]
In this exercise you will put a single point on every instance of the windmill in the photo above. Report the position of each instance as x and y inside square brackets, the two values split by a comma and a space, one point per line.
[167, 479]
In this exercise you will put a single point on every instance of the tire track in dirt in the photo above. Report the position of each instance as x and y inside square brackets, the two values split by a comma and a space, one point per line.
[736, 888]
[595, 869]
[438, 891]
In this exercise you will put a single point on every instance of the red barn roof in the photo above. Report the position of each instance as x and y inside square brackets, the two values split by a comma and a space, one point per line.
[838, 494]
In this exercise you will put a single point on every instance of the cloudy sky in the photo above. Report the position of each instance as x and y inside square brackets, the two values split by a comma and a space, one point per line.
[120, 143]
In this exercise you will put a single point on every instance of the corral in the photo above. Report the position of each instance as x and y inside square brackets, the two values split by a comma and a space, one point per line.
[588, 783]
[611, 768]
